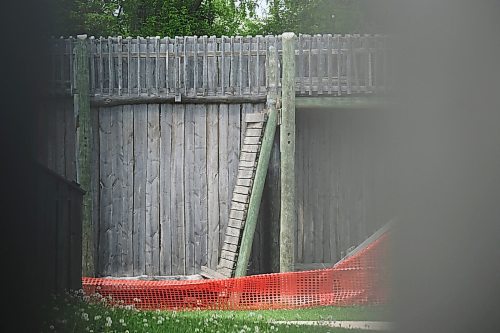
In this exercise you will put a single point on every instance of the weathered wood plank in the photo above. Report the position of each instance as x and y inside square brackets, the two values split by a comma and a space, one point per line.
[116, 223]
[234, 134]
[224, 192]
[253, 132]
[189, 175]
[237, 214]
[250, 148]
[201, 188]
[139, 214]
[177, 188]
[166, 220]
[106, 181]
[128, 190]
[230, 248]
[244, 182]
[242, 190]
[236, 223]
[235, 232]
[213, 185]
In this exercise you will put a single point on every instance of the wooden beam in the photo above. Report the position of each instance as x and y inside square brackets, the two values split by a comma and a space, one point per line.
[287, 148]
[261, 172]
[97, 101]
[84, 161]
[357, 102]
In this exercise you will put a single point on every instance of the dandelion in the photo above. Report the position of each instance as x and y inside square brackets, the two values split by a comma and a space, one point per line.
[146, 324]
[51, 327]
[144, 320]
[97, 317]
[108, 321]
[85, 316]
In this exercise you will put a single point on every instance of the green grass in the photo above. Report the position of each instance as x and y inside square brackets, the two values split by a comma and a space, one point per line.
[71, 313]
[372, 313]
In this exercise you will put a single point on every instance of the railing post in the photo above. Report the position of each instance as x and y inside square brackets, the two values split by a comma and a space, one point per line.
[84, 131]
[287, 148]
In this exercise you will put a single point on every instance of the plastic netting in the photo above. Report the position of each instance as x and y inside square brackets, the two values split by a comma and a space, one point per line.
[358, 280]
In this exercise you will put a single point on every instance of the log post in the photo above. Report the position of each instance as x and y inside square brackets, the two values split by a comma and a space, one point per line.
[261, 172]
[83, 127]
[287, 148]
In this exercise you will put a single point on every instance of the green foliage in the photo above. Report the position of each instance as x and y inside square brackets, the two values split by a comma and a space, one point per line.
[320, 16]
[211, 17]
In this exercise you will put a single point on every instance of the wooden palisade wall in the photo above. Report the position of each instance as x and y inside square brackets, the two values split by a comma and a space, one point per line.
[163, 171]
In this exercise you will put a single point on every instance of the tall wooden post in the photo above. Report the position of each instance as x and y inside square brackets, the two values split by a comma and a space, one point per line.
[83, 123]
[261, 172]
[287, 148]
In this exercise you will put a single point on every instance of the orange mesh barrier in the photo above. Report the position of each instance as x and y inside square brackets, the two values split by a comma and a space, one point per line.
[360, 279]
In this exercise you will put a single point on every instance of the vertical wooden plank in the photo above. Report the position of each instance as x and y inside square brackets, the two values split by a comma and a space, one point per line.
[106, 195]
[167, 62]
[139, 65]
[157, 65]
[329, 62]
[116, 223]
[166, 217]
[110, 67]
[152, 191]
[139, 214]
[250, 70]
[233, 145]
[101, 67]
[349, 71]
[120, 65]
[129, 65]
[177, 188]
[257, 59]
[148, 70]
[176, 67]
[200, 188]
[128, 190]
[205, 65]
[223, 65]
[70, 140]
[71, 69]
[240, 63]
[320, 68]
[212, 66]
[185, 64]
[195, 64]
[213, 184]
[310, 64]
[301, 63]
[354, 45]
[189, 175]
[287, 148]
[82, 105]
[93, 51]
[95, 184]
[224, 196]
[339, 65]
[233, 66]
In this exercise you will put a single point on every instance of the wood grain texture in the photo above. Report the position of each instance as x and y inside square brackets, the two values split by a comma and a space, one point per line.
[166, 218]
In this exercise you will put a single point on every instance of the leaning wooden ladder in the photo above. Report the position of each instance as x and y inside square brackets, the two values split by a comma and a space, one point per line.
[257, 134]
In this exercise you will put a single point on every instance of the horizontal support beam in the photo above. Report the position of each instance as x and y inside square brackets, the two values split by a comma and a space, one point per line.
[357, 102]
[129, 100]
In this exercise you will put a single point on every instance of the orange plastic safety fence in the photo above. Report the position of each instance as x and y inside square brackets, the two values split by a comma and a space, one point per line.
[360, 279]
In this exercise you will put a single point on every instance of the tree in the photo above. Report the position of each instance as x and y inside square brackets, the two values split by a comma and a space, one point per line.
[321, 16]
[154, 17]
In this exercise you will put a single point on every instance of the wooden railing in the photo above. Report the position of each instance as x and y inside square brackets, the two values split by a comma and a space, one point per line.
[223, 66]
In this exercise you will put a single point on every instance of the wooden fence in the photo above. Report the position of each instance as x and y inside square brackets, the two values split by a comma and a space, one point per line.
[225, 66]
[58, 231]
[163, 171]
